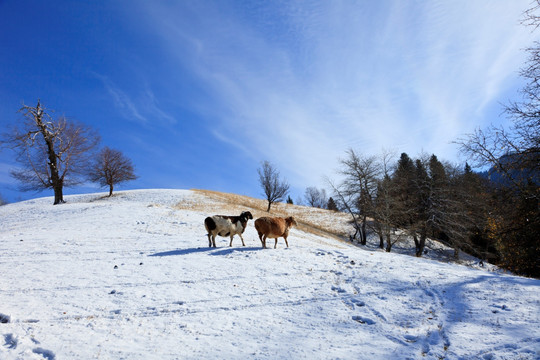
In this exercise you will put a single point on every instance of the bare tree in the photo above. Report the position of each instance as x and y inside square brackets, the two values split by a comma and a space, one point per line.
[274, 188]
[52, 153]
[360, 185]
[315, 197]
[345, 200]
[110, 168]
[384, 214]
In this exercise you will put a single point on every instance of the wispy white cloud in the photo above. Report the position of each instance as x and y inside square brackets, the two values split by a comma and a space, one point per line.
[144, 110]
[297, 83]
[122, 101]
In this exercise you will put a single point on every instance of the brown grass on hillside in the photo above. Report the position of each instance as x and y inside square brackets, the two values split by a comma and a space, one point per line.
[316, 221]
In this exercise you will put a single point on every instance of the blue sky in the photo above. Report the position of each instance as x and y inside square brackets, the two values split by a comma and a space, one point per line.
[198, 93]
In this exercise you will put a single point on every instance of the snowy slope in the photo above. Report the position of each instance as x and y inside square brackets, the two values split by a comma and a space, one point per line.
[131, 277]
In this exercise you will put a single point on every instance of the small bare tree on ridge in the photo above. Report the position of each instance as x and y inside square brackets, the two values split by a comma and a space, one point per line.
[110, 168]
[274, 189]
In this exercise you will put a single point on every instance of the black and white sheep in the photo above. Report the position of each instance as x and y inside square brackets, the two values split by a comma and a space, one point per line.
[224, 225]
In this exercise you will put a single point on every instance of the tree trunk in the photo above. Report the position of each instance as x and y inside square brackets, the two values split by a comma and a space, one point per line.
[269, 204]
[421, 244]
[378, 230]
[58, 194]
[110, 190]
[56, 181]
[363, 235]
[388, 243]
[456, 253]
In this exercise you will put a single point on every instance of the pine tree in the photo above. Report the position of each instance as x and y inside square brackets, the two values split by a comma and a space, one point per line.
[331, 205]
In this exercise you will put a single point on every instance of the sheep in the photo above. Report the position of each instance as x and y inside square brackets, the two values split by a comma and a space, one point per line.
[273, 228]
[224, 225]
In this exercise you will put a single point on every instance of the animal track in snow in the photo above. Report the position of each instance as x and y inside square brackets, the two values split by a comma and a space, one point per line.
[10, 341]
[4, 319]
[47, 354]
[338, 289]
[363, 320]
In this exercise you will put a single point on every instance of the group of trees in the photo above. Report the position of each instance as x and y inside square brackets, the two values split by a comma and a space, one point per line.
[420, 198]
[317, 198]
[58, 153]
[494, 216]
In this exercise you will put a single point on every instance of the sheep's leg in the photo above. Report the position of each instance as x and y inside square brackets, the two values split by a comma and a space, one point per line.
[230, 244]
[209, 241]
[241, 238]
[263, 241]
[275, 245]
[286, 241]
[214, 240]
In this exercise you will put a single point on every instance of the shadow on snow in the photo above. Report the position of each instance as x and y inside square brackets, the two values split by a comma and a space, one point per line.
[213, 251]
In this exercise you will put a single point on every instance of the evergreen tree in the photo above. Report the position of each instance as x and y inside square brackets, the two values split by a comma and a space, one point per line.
[402, 191]
[331, 205]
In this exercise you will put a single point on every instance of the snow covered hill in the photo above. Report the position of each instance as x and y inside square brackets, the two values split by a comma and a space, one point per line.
[131, 277]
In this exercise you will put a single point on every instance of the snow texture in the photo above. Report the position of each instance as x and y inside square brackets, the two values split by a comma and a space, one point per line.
[131, 277]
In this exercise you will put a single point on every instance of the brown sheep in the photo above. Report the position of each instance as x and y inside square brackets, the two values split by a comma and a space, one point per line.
[273, 228]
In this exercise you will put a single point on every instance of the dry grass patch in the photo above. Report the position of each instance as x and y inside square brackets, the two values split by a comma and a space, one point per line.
[312, 220]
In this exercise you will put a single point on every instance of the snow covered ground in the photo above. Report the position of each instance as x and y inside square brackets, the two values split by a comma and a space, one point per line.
[131, 277]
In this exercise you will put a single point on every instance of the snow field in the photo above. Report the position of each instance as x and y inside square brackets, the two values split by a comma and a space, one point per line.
[131, 277]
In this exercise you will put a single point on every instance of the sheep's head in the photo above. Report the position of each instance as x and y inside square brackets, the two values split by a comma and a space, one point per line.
[291, 222]
[246, 215]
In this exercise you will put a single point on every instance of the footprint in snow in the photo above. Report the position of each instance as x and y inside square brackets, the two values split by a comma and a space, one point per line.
[411, 338]
[10, 341]
[338, 289]
[47, 354]
[363, 320]
[501, 307]
[4, 319]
